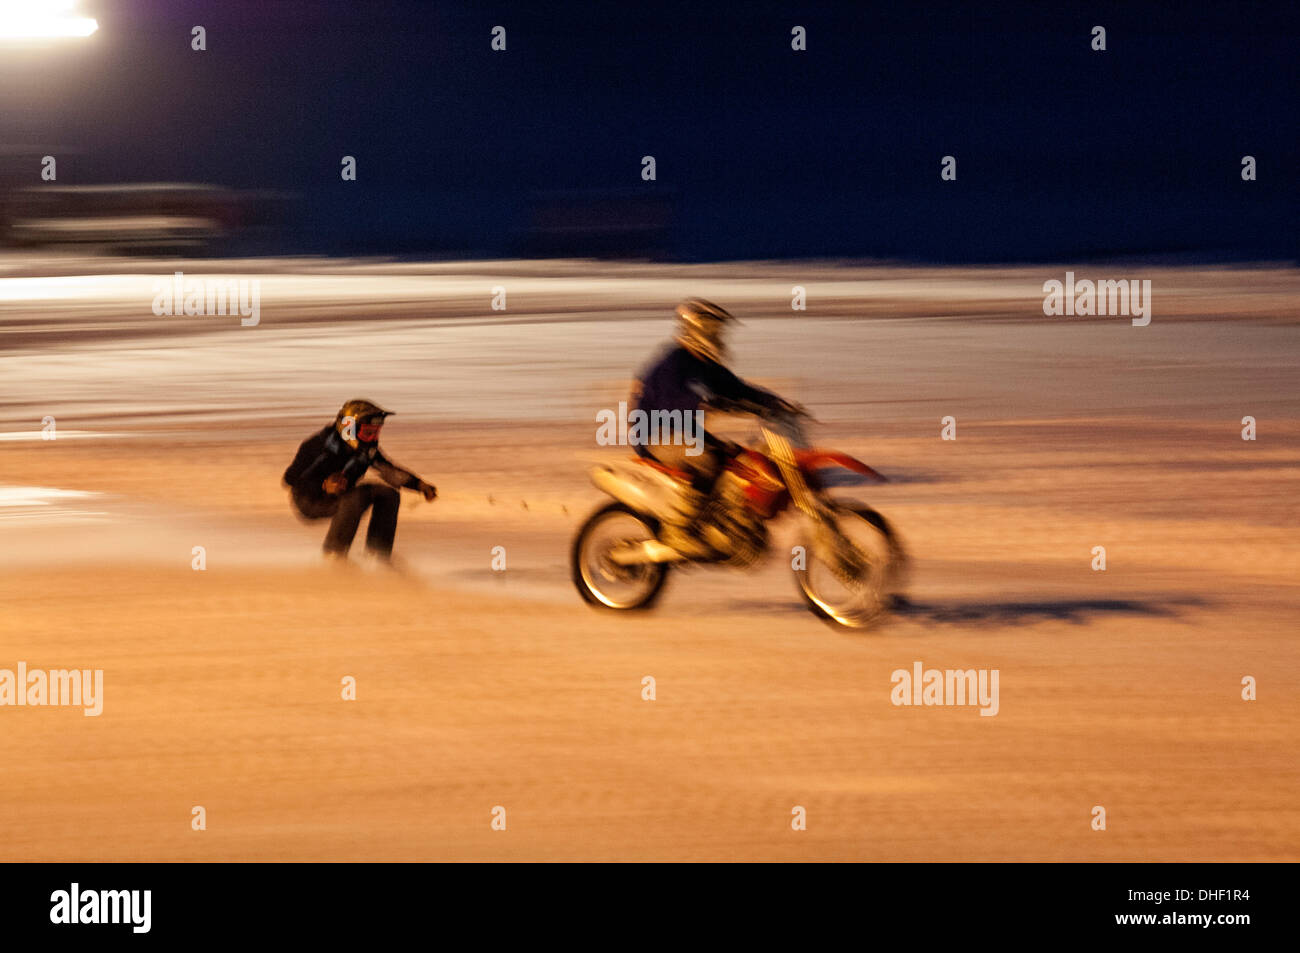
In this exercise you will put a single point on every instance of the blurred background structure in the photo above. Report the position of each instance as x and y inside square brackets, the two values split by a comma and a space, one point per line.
[761, 151]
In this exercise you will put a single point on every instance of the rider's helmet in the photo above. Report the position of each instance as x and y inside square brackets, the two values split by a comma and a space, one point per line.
[700, 328]
[358, 422]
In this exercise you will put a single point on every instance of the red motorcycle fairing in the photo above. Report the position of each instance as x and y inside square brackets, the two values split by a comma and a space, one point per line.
[758, 478]
[680, 475]
[812, 459]
[761, 485]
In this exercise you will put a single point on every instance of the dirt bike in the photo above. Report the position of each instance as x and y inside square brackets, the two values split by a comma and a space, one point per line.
[849, 571]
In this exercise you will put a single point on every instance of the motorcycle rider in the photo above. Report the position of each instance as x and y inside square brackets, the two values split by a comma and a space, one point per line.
[691, 372]
[323, 480]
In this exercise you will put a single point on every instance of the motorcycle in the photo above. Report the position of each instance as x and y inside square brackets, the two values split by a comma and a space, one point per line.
[849, 562]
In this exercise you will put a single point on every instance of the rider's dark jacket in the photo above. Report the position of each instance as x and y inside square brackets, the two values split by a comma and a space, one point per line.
[326, 453]
[679, 380]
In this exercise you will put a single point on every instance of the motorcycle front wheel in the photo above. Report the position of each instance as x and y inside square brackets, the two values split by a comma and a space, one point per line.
[856, 578]
[601, 581]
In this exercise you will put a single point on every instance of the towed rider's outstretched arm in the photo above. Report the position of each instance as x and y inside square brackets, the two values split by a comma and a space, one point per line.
[400, 477]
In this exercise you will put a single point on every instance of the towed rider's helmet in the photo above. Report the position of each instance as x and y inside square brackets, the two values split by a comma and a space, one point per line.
[700, 328]
[358, 422]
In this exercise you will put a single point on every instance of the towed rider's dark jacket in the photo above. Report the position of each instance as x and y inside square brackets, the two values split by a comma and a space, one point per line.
[326, 453]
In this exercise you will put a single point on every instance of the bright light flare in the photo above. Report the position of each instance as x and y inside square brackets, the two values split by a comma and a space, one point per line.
[52, 20]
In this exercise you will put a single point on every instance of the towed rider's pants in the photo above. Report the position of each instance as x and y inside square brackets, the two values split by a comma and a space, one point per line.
[346, 511]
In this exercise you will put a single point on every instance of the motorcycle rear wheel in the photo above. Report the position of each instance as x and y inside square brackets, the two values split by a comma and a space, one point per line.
[599, 580]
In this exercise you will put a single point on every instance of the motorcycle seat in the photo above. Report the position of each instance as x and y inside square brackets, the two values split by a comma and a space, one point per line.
[680, 475]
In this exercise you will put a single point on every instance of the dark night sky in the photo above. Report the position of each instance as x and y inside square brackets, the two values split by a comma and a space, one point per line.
[1062, 152]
